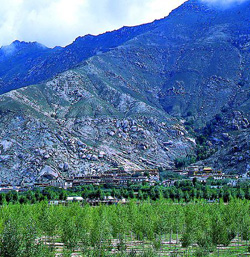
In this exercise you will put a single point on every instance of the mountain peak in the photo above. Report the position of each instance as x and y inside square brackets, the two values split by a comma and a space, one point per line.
[19, 43]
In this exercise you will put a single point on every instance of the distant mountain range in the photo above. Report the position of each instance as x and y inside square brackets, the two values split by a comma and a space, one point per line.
[138, 96]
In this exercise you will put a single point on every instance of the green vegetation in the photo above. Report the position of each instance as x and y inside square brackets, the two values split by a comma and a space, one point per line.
[182, 191]
[184, 161]
[168, 174]
[203, 150]
[144, 229]
[178, 219]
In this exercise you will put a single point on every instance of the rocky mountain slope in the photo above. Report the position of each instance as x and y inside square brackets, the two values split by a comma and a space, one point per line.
[138, 97]
[75, 124]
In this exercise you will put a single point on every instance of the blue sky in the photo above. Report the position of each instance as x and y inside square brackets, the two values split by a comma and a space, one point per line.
[59, 22]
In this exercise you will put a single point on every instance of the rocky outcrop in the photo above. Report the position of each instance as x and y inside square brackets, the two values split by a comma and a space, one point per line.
[48, 173]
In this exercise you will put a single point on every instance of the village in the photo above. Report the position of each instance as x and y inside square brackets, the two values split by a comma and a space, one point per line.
[118, 177]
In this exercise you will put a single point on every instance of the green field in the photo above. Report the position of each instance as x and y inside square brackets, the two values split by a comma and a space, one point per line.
[148, 228]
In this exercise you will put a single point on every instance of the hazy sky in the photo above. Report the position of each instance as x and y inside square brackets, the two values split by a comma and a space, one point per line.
[59, 22]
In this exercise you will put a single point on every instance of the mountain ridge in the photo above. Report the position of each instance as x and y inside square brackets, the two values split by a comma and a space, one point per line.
[58, 59]
[46, 65]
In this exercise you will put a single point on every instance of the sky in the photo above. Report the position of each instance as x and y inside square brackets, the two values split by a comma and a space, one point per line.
[225, 3]
[59, 22]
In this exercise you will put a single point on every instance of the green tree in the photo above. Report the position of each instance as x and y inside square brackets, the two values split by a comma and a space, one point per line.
[70, 233]
[63, 195]
[2, 199]
[11, 240]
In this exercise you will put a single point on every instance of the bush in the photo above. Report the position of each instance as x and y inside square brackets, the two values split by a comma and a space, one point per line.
[186, 240]
[201, 252]
[184, 161]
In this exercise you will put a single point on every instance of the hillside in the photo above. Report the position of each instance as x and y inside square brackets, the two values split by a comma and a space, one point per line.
[76, 124]
[137, 97]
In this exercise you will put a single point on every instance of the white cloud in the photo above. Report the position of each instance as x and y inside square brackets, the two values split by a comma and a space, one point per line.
[59, 22]
[224, 2]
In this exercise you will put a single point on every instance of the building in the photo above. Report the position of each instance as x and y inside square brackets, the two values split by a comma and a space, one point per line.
[68, 183]
[193, 170]
[74, 199]
[86, 180]
[58, 182]
[5, 188]
[42, 185]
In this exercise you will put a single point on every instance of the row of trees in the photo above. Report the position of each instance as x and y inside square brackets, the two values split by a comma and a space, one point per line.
[26, 229]
[184, 190]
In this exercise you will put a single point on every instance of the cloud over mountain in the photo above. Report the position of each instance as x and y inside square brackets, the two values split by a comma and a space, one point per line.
[58, 22]
[226, 3]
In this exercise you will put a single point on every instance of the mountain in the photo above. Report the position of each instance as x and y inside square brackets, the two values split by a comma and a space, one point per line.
[76, 123]
[140, 97]
[17, 61]
[23, 63]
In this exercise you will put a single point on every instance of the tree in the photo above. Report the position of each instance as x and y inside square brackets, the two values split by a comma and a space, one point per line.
[179, 195]
[31, 247]
[166, 194]
[63, 195]
[186, 197]
[207, 193]
[11, 240]
[152, 193]
[131, 193]
[49, 193]
[9, 197]
[140, 195]
[2, 199]
[248, 194]
[85, 193]
[241, 194]
[193, 193]
[70, 233]
[23, 200]
[194, 181]
[227, 196]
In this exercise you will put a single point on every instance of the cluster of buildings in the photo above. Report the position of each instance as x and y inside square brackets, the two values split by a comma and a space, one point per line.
[204, 173]
[113, 177]
[118, 177]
